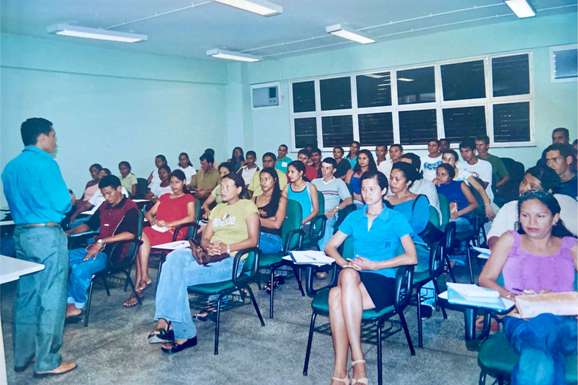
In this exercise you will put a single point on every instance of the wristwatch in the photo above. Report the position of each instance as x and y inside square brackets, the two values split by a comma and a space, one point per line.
[100, 243]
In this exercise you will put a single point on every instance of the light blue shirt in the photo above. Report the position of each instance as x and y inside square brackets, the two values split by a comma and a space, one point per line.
[282, 164]
[382, 241]
[34, 188]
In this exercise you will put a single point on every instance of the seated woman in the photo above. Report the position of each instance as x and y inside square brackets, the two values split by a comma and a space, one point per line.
[368, 281]
[415, 208]
[422, 185]
[301, 191]
[538, 178]
[153, 178]
[540, 256]
[83, 204]
[364, 163]
[233, 226]
[215, 196]
[169, 211]
[127, 178]
[186, 166]
[164, 187]
[272, 206]
[462, 201]
[237, 159]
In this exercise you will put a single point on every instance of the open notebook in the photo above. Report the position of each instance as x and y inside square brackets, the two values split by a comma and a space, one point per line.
[475, 296]
[309, 257]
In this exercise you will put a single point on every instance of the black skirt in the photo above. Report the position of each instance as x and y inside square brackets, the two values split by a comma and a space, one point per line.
[381, 289]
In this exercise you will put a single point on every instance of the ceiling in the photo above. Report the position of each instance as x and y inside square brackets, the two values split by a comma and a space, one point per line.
[190, 28]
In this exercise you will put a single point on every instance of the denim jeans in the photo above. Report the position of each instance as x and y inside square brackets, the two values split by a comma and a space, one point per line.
[179, 271]
[40, 303]
[81, 272]
[542, 343]
[270, 243]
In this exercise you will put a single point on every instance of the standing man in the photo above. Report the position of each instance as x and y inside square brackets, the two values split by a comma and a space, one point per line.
[500, 175]
[38, 199]
[282, 159]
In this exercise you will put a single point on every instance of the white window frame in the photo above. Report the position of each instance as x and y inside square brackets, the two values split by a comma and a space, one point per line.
[553, 66]
[438, 105]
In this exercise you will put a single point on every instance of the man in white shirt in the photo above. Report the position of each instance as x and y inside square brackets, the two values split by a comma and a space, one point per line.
[395, 153]
[249, 169]
[431, 161]
[478, 167]
[336, 196]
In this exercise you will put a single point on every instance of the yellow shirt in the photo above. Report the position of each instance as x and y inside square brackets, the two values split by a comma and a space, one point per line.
[255, 185]
[128, 181]
[230, 221]
[205, 180]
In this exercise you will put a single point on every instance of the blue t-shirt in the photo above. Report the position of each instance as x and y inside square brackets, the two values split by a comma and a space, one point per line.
[382, 241]
[416, 212]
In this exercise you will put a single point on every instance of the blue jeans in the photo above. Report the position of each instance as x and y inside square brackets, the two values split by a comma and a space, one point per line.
[180, 271]
[81, 272]
[40, 303]
[270, 243]
[542, 343]
[328, 232]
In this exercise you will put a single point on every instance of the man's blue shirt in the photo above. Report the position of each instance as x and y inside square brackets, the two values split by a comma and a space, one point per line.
[34, 188]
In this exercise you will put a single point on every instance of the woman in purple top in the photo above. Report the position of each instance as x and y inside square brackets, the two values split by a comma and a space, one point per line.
[540, 257]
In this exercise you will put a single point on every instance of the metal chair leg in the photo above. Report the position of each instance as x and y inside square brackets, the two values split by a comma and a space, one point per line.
[482, 379]
[297, 274]
[469, 261]
[271, 292]
[450, 269]
[419, 321]
[255, 305]
[105, 283]
[216, 351]
[309, 343]
[379, 355]
[88, 302]
[133, 289]
[437, 292]
[406, 331]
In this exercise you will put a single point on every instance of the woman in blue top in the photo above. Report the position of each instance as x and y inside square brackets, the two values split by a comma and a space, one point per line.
[301, 191]
[462, 201]
[365, 162]
[367, 281]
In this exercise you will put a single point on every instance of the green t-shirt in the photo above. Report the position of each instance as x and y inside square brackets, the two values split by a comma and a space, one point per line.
[230, 221]
[499, 170]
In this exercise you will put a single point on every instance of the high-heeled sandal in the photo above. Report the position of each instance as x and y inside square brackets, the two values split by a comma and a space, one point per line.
[362, 380]
[344, 380]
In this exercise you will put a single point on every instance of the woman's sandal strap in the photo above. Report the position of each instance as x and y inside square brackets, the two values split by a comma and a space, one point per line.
[353, 363]
[362, 380]
[344, 380]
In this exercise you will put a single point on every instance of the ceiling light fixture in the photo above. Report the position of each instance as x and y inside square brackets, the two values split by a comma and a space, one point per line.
[521, 8]
[95, 33]
[232, 55]
[260, 7]
[338, 30]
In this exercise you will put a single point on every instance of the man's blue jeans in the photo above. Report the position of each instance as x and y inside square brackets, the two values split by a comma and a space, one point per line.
[81, 272]
[542, 343]
[40, 303]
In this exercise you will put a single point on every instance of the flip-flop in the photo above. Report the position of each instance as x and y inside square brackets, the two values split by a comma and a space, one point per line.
[131, 301]
[141, 290]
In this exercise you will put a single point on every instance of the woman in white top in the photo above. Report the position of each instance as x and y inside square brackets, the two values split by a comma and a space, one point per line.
[164, 187]
[186, 166]
[153, 179]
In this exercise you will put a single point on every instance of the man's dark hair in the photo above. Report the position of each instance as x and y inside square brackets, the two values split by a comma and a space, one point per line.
[31, 128]
[109, 181]
[124, 163]
[339, 147]
[330, 161]
[304, 152]
[434, 140]
[284, 146]
[251, 152]
[453, 153]
[563, 130]
[396, 145]
[468, 143]
[483, 138]
[270, 155]
[564, 149]
[207, 156]
[316, 150]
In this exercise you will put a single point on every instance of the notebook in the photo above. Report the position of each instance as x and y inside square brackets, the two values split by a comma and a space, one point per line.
[476, 296]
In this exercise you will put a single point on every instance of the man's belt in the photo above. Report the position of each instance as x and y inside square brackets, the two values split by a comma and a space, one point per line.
[32, 225]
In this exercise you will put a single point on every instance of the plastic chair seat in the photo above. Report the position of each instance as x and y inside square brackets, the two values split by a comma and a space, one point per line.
[267, 260]
[320, 305]
[497, 358]
[421, 277]
[213, 288]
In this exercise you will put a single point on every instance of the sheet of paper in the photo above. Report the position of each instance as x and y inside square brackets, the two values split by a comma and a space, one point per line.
[160, 229]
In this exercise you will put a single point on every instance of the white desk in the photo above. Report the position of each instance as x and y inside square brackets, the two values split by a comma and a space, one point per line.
[11, 269]
[170, 246]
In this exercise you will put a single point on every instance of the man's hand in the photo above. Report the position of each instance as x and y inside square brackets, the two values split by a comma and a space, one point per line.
[91, 252]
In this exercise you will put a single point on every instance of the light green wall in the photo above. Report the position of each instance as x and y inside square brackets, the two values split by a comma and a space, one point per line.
[109, 105]
[554, 103]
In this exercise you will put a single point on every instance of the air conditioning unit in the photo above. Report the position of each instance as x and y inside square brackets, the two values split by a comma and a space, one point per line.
[265, 95]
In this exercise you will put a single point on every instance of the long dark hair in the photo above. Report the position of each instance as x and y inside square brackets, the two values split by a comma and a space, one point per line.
[548, 200]
[547, 177]
[180, 175]
[188, 159]
[239, 182]
[410, 173]
[370, 167]
[415, 162]
[299, 166]
[276, 194]
[235, 159]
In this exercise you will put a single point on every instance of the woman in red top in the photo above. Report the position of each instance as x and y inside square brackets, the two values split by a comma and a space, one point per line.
[170, 210]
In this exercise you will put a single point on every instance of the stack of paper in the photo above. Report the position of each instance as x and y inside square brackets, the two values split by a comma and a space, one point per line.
[309, 257]
[473, 295]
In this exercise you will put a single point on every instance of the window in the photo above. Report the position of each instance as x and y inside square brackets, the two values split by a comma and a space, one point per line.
[374, 90]
[303, 96]
[464, 122]
[511, 122]
[564, 62]
[335, 94]
[375, 129]
[305, 132]
[488, 95]
[337, 130]
[511, 75]
[463, 80]
[417, 127]
[416, 86]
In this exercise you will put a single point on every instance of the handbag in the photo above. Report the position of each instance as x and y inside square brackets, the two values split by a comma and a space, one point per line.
[201, 255]
[431, 234]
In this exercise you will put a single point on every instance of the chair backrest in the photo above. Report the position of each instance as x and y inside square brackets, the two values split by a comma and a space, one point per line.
[445, 210]
[141, 188]
[343, 213]
[321, 200]
[509, 191]
[123, 254]
[192, 229]
[290, 229]
[434, 218]
[403, 286]
[347, 250]
[250, 265]
[436, 260]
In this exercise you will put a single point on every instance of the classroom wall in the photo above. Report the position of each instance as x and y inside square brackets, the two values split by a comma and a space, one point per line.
[555, 103]
[109, 105]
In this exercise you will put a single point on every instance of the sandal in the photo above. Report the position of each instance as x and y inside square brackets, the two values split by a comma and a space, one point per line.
[141, 289]
[132, 301]
[277, 281]
[175, 348]
[344, 380]
[159, 336]
[362, 380]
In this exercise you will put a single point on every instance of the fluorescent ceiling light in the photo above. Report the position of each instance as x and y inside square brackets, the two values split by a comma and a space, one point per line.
[521, 8]
[405, 79]
[95, 33]
[232, 55]
[338, 30]
[260, 7]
